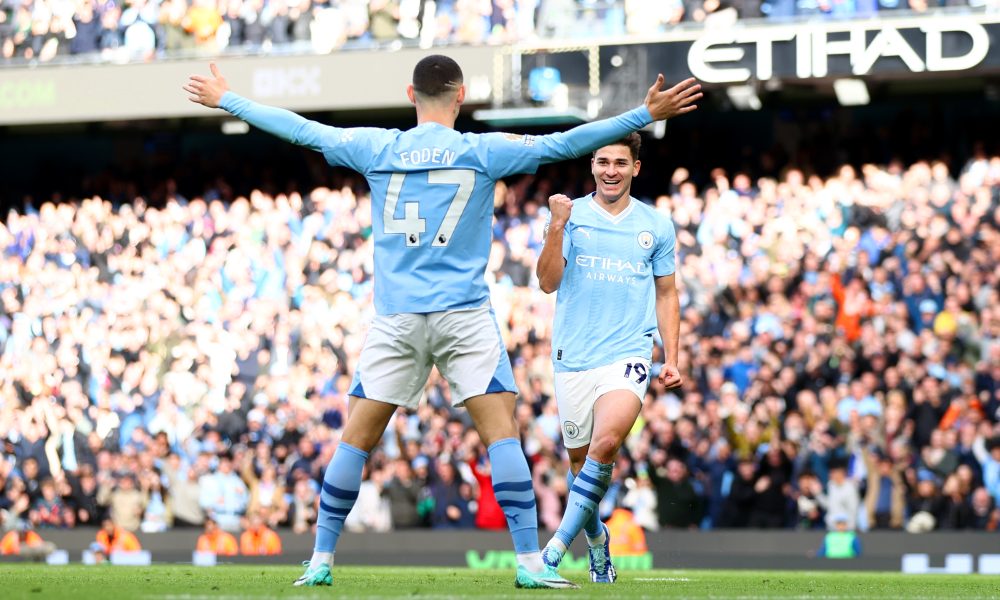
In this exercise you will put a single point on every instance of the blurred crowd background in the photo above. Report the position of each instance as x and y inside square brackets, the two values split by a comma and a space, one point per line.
[143, 30]
[169, 362]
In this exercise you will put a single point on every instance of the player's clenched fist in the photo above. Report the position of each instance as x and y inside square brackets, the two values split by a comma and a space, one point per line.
[561, 206]
[670, 376]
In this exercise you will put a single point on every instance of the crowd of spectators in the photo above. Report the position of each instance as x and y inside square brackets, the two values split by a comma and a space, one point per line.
[161, 366]
[141, 30]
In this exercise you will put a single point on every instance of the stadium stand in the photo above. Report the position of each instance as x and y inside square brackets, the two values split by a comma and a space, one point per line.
[842, 351]
[181, 312]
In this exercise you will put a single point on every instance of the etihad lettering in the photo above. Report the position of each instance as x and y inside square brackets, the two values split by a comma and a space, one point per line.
[718, 56]
[610, 264]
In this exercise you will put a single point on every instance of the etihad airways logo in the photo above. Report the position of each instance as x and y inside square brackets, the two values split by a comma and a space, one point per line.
[614, 270]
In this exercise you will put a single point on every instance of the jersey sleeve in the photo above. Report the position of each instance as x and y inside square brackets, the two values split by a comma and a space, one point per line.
[353, 148]
[590, 136]
[664, 260]
[567, 242]
[510, 153]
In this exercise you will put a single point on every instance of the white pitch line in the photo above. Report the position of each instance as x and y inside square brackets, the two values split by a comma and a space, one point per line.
[429, 596]
[224, 597]
[817, 597]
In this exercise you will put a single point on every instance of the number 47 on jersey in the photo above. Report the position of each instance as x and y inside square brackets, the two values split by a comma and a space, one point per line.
[412, 224]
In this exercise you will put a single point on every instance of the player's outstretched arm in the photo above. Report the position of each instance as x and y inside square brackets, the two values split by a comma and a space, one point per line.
[551, 261]
[659, 104]
[668, 321]
[213, 92]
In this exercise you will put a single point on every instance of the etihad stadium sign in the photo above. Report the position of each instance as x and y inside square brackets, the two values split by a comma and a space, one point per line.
[737, 55]
[888, 47]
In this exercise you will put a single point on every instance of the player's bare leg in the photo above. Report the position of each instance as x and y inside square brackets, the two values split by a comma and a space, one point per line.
[614, 415]
[366, 422]
[493, 415]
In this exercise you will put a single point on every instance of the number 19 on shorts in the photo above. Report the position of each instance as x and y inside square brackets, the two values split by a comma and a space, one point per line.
[638, 370]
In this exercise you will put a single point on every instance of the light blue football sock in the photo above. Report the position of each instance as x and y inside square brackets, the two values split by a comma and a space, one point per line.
[593, 525]
[585, 495]
[340, 490]
[514, 492]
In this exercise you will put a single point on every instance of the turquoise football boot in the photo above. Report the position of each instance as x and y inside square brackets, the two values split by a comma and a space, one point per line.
[314, 576]
[549, 578]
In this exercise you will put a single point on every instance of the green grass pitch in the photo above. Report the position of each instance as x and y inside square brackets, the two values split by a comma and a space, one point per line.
[179, 582]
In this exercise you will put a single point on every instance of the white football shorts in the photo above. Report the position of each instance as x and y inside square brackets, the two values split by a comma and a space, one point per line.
[400, 350]
[577, 393]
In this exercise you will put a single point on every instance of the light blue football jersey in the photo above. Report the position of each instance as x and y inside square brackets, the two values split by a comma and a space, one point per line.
[606, 303]
[432, 194]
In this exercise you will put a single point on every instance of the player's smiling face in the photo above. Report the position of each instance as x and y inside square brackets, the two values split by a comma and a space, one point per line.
[613, 168]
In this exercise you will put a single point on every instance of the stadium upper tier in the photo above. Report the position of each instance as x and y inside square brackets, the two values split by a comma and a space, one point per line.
[122, 31]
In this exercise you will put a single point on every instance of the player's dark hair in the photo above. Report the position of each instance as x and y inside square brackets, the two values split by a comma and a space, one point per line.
[632, 141]
[436, 75]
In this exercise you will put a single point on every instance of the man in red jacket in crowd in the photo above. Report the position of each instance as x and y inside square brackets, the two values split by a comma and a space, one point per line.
[489, 515]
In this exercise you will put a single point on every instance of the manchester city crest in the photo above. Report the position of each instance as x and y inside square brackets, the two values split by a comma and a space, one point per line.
[645, 240]
[571, 429]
